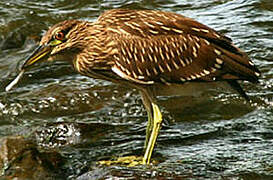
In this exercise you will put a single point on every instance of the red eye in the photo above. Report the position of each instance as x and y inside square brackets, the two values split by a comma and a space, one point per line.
[59, 35]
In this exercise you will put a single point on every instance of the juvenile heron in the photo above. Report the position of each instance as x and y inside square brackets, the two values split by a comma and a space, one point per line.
[144, 48]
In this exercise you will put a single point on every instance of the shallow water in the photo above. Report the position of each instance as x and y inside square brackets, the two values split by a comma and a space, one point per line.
[215, 134]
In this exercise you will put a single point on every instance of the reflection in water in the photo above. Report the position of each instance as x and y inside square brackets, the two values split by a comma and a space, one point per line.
[208, 135]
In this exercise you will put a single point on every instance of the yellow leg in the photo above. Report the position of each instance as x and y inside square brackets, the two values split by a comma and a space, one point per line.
[147, 102]
[157, 121]
[149, 129]
[153, 127]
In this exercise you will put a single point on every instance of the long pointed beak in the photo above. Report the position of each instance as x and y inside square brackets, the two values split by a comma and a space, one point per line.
[39, 54]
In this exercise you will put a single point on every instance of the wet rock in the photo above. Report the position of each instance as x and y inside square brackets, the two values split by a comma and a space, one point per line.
[139, 172]
[96, 173]
[19, 158]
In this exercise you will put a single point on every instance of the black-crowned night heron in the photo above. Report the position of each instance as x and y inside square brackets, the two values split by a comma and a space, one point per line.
[144, 48]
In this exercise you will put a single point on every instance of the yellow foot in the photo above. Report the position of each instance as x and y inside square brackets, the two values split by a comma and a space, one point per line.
[129, 161]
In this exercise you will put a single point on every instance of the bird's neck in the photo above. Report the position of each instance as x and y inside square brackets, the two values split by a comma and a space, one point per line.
[98, 52]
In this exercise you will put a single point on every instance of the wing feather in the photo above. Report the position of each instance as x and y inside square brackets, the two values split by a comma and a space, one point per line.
[170, 48]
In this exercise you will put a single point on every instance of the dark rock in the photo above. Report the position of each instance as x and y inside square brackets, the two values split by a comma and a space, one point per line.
[20, 158]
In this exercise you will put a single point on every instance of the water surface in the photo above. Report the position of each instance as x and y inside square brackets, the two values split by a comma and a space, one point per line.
[215, 134]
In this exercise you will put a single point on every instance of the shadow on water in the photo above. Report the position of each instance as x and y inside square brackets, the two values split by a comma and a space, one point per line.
[63, 123]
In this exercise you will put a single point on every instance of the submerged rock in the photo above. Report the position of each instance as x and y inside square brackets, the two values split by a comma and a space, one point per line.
[20, 158]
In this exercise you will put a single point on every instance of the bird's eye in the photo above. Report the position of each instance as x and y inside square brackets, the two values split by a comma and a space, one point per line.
[59, 35]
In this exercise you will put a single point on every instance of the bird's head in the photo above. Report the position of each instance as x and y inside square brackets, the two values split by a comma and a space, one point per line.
[60, 42]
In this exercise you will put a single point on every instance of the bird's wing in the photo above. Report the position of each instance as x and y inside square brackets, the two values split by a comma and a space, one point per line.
[166, 47]
[149, 23]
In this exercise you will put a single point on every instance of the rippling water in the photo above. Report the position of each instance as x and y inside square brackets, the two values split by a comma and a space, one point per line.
[218, 135]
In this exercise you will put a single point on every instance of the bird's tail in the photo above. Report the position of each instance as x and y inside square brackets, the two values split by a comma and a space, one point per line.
[238, 66]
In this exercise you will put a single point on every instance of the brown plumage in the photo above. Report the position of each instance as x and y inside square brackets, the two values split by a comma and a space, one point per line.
[144, 48]
[149, 47]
